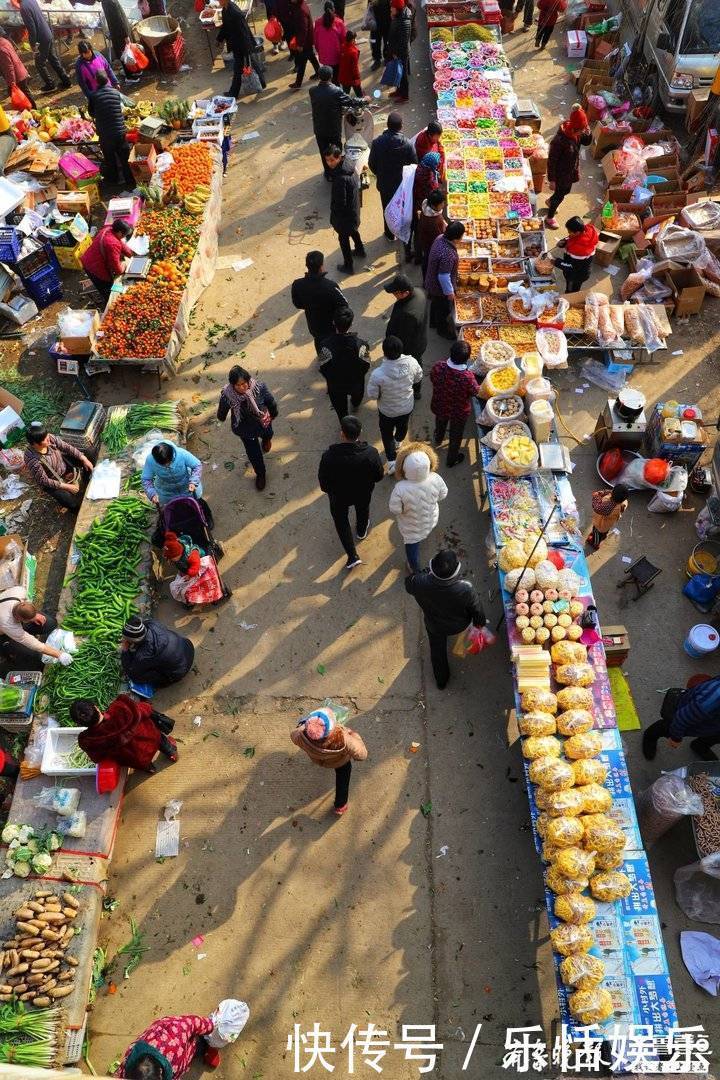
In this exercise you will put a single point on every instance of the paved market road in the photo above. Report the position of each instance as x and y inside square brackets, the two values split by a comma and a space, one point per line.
[384, 916]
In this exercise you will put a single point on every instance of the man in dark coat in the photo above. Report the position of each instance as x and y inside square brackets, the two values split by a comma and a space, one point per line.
[238, 38]
[327, 102]
[107, 112]
[345, 206]
[40, 36]
[318, 296]
[348, 473]
[344, 362]
[388, 154]
[564, 159]
[399, 38]
[304, 34]
[408, 318]
[448, 603]
[154, 654]
[379, 36]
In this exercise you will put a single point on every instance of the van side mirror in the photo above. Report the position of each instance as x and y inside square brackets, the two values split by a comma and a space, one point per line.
[664, 42]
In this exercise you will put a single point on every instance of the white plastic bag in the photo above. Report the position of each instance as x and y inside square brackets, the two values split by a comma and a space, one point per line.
[72, 323]
[697, 889]
[64, 640]
[229, 1019]
[145, 445]
[399, 211]
[663, 804]
[663, 503]
[553, 347]
[10, 566]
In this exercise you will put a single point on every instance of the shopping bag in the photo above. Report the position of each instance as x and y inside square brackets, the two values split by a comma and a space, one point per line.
[393, 73]
[273, 31]
[249, 82]
[134, 57]
[369, 22]
[18, 99]
[398, 212]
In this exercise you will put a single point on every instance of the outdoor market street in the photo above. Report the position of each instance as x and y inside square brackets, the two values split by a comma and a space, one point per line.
[386, 915]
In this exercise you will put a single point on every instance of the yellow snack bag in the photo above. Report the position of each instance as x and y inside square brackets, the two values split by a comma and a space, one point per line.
[602, 833]
[542, 746]
[574, 697]
[539, 700]
[591, 1006]
[568, 939]
[596, 799]
[537, 723]
[574, 862]
[567, 801]
[575, 722]
[575, 675]
[549, 852]
[568, 652]
[582, 970]
[588, 745]
[559, 884]
[564, 831]
[574, 907]
[610, 885]
[589, 771]
[609, 860]
[551, 773]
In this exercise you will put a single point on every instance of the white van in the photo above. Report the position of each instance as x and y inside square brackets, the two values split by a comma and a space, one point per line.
[682, 43]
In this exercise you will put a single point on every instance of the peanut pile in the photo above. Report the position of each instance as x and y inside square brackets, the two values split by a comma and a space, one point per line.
[707, 827]
[35, 965]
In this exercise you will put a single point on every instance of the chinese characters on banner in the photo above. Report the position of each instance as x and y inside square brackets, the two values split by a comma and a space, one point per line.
[628, 1048]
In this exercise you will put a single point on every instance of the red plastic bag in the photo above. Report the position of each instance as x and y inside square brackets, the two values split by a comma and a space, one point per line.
[555, 557]
[292, 44]
[18, 99]
[611, 463]
[273, 30]
[133, 57]
[656, 471]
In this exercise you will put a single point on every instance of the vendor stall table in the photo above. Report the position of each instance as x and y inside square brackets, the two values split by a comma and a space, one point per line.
[14, 892]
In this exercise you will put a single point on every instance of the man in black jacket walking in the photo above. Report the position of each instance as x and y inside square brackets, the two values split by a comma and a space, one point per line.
[318, 296]
[345, 206]
[107, 113]
[327, 102]
[409, 317]
[399, 38]
[41, 39]
[348, 473]
[448, 603]
[388, 154]
[238, 38]
[344, 361]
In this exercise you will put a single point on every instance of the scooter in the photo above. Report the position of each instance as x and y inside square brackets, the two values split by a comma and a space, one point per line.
[358, 132]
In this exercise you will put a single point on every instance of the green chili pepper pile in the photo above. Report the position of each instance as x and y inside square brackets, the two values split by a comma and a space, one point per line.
[94, 673]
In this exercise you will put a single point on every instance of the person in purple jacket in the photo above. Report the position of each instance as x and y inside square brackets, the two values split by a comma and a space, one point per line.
[87, 65]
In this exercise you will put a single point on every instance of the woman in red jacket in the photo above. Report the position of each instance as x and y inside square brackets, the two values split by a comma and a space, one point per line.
[129, 732]
[564, 159]
[12, 68]
[103, 260]
[349, 73]
[580, 246]
[548, 12]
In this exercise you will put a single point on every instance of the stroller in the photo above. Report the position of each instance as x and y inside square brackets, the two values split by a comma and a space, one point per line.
[185, 517]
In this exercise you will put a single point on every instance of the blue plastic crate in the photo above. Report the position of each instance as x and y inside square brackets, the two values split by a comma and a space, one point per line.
[9, 244]
[44, 286]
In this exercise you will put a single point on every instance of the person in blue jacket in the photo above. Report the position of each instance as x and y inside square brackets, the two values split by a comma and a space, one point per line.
[170, 472]
[41, 40]
[692, 712]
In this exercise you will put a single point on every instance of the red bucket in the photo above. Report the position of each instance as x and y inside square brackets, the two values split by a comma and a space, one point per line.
[107, 776]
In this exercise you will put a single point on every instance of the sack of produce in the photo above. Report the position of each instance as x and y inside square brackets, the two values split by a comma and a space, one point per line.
[589, 771]
[551, 774]
[495, 354]
[611, 885]
[556, 803]
[581, 675]
[519, 578]
[587, 745]
[561, 885]
[512, 557]
[564, 831]
[655, 471]
[568, 652]
[574, 862]
[546, 574]
[663, 804]
[596, 799]
[568, 939]
[591, 1006]
[574, 907]
[574, 721]
[539, 700]
[536, 724]
[516, 457]
[539, 746]
[574, 697]
[582, 970]
[504, 431]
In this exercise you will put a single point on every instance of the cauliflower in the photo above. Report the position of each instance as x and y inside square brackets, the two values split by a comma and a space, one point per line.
[10, 833]
[34, 846]
[21, 869]
[55, 841]
[22, 855]
[41, 862]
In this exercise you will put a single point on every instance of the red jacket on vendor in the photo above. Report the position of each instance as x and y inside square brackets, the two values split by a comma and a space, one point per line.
[549, 11]
[104, 258]
[582, 245]
[124, 733]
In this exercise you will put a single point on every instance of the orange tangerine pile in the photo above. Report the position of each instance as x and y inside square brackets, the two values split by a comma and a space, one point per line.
[168, 272]
[192, 166]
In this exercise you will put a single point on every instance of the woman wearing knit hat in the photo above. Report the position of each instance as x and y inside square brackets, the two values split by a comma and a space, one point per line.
[153, 654]
[330, 746]
[548, 11]
[564, 159]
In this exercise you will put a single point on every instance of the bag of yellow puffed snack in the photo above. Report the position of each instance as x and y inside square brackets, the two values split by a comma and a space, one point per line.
[574, 907]
[574, 697]
[573, 862]
[588, 745]
[549, 852]
[568, 652]
[591, 1006]
[540, 700]
[575, 722]
[575, 675]
[567, 801]
[589, 771]
[602, 833]
[559, 884]
[610, 885]
[541, 746]
[564, 831]
[596, 799]
[537, 723]
[609, 860]
[551, 773]
[582, 971]
[568, 939]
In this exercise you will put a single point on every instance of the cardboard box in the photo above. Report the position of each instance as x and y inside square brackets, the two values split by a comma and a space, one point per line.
[142, 160]
[607, 248]
[16, 403]
[616, 642]
[695, 105]
[670, 202]
[603, 285]
[76, 346]
[577, 43]
[91, 190]
[74, 202]
[591, 18]
[688, 290]
[589, 68]
[600, 47]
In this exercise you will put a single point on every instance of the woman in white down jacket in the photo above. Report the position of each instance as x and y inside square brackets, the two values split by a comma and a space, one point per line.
[415, 497]
[394, 382]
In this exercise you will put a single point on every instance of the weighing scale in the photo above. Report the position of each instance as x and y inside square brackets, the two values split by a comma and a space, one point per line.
[83, 425]
[138, 267]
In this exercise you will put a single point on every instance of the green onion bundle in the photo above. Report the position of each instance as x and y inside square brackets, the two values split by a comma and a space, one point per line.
[133, 421]
[115, 434]
[31, 1037]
